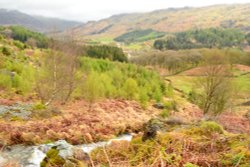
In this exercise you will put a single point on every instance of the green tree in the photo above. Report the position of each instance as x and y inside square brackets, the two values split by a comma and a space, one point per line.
[130, 88]
[215, 87]
[93, 88]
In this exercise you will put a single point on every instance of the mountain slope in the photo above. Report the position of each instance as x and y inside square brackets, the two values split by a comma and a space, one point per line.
[170, 20]
[37, 23]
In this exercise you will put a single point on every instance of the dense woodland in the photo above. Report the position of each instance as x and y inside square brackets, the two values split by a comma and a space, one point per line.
[203, 38]
[106, 52]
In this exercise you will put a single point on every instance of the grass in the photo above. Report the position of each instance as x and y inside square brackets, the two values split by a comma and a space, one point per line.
[103, 40]
[139, 36]
[183, 83]
[184, 146]
[243, 83]
[186, 83]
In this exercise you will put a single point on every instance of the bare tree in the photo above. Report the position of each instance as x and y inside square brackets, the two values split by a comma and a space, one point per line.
[56, 75]
[215, 86]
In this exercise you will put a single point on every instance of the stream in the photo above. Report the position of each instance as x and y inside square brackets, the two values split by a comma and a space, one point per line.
[32, 156]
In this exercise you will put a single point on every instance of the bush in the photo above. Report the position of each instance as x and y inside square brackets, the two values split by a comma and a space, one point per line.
[165, 113]
[19, 44]
[38, 106]
[210, 127]
[193, 97]
[5, 81]
[143, 97]
[6, 51]
[170, 105]
[190, 165]
[170, 90]
[130, 89]
[93, 89]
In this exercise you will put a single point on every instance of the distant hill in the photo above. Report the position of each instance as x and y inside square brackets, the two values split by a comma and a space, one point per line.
[139, 36]
[203, 38]
[37, 23]
[24, 35]
[169, 20]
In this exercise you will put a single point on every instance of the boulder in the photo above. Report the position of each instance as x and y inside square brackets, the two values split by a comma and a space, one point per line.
[159, 106]
[65, 149]
[151, 128]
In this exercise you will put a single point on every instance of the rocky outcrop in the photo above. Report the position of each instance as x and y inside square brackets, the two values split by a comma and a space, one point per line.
[32, 156]
[60, 152]
[16, 111]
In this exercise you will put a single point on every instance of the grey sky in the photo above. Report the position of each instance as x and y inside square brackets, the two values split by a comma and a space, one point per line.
[85, 10]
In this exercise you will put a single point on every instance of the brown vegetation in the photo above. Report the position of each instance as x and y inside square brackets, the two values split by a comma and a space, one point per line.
[204, 145]
[77, 125]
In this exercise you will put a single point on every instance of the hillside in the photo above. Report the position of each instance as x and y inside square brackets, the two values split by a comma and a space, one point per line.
[168, 88]
[139, 36]
[203, 38]
[37, 23]
[169, 20]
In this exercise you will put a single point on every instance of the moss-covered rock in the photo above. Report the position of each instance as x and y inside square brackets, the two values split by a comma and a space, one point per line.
[151, 128]
[52, 159]
[55, 158]
[210, 127]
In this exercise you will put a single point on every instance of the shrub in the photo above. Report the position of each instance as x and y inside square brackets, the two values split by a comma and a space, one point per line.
[170, 90]
[19, 44]
[143, 97]
[93, 88]
[170, 105]
[210, 127]
[190, 165]
[5, 81]
[165, 113]
[130, 89]
[38, 106]
[6, 51]
[14, 66]
[193, 97]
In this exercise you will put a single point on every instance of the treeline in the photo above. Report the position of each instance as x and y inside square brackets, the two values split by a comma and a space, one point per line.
[26, 36]
[203, 38]
[139, 36]
[29, 38]
[178, 61]
[173, 61]
[105, 52]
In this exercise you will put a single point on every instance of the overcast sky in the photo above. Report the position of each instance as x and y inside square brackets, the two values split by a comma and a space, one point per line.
[85, 10]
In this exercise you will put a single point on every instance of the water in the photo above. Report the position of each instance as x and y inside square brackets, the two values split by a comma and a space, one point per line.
[87, 148]
[32, 156]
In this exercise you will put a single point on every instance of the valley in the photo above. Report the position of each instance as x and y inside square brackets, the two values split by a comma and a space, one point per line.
[168, 88]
